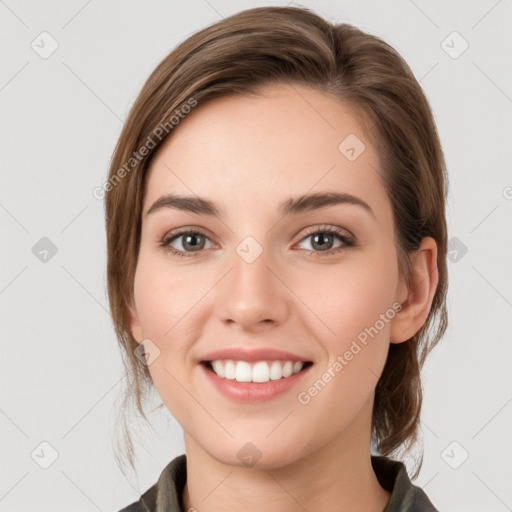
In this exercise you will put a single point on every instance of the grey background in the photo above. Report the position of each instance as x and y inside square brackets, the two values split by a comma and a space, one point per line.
[59, 121]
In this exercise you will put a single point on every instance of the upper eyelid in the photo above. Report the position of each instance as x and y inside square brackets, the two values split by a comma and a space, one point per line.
[180, 232]
[310, 230]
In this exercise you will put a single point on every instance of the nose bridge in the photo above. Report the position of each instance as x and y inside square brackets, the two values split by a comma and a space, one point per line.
[252, 293]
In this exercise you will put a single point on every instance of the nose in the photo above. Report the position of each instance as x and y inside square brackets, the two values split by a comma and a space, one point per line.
[253, 294]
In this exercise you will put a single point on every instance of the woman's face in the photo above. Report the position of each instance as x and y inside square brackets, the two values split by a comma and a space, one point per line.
[255, 276]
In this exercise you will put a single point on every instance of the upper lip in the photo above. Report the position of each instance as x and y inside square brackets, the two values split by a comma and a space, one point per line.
[257, 354]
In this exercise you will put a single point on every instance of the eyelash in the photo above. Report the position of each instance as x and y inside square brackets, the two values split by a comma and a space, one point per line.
[348, 241]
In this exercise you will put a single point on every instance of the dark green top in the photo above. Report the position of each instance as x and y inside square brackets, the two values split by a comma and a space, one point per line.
[165, 495]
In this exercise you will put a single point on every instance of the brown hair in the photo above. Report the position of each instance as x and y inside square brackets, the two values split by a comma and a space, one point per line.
[237, 55]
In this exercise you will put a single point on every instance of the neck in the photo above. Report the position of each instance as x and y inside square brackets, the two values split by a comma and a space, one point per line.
[337, 476]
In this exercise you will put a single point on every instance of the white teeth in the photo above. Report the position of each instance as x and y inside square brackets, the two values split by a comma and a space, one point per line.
[218, 368]
[243, 372]
[229, 369]
[260, 371]
[287, 369]
[276, 371]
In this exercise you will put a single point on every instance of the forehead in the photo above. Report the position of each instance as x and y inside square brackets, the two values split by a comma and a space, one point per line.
[256, 151]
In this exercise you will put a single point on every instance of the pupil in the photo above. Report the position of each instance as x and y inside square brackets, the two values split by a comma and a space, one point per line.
[191, 239]
[322, 244]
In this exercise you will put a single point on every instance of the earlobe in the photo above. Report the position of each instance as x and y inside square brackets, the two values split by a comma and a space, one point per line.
[420, 293]
[135, 324]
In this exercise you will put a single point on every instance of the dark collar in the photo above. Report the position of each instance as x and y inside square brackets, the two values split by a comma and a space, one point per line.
[165, 495]
[405, 496]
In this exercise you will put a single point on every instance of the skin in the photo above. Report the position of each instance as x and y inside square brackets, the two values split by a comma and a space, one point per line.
[248, 154]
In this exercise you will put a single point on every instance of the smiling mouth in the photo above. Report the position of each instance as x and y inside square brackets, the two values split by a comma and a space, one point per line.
[257, 371]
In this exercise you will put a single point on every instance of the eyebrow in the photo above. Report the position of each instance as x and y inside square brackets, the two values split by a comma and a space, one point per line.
[292, 206]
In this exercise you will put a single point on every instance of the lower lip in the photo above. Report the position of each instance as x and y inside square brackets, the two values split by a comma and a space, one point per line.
[251, 392]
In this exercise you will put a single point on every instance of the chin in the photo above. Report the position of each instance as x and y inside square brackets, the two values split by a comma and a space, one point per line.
[254, 455]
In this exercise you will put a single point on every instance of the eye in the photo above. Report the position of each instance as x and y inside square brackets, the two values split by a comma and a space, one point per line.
[193, 241]
[322, 240]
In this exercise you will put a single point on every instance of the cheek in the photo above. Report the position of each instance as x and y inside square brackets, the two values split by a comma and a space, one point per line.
[172, 314]
[348, 298]
[165, 300]
[354, 305]
[164, 297]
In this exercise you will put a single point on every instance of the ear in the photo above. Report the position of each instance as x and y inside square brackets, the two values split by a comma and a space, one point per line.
[135, 324]
[417, 298]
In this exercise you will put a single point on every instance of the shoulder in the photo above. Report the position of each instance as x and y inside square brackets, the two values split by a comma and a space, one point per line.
[405, 496]
[146, 503]
[165, 494]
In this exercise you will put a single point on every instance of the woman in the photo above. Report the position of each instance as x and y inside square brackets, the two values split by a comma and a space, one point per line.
[275, 216]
